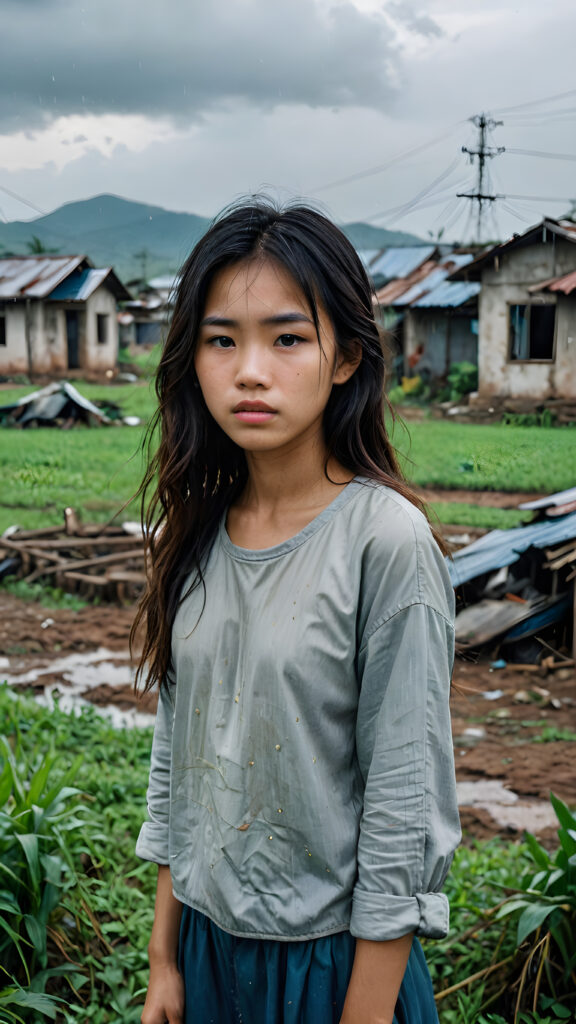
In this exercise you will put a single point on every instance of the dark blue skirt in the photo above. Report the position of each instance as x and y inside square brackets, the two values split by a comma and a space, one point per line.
[231, 980]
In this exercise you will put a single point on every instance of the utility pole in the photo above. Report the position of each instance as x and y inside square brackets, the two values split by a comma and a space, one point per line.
[484, 152]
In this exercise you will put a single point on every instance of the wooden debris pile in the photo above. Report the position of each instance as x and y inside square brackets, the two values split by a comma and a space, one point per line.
[89, 559]
[516, 589]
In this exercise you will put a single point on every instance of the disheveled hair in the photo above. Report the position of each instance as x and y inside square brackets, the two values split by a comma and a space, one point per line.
[196, 471]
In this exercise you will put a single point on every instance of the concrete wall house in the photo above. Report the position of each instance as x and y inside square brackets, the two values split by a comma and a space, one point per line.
[527, 315]
[433, 320]
[58, 314]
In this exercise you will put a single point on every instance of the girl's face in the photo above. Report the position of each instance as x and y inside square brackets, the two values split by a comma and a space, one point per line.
[264, 377]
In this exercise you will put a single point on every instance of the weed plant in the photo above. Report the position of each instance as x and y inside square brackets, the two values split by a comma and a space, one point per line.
[75, 920]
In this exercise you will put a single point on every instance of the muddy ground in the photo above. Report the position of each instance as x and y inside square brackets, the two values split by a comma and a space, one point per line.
[84, 655]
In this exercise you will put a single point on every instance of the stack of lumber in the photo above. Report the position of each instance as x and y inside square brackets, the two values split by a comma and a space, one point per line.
[90, 559]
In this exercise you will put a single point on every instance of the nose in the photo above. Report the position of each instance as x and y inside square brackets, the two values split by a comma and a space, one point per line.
[252, 367]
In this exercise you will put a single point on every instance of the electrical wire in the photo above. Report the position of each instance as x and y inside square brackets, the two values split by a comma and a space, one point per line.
[540, 153]
[535, 103]
[423, 194]
[21, 199]
[389, 163]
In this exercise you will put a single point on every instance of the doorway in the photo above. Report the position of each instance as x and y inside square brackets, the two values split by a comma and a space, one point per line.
[72, 339]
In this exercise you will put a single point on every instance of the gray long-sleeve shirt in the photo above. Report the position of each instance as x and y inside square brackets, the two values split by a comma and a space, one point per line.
[302, 776]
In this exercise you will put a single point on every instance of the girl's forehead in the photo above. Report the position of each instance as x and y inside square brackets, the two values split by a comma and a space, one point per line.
[252, 283]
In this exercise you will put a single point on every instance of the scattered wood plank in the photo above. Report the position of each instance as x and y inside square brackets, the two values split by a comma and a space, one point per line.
[80, 557]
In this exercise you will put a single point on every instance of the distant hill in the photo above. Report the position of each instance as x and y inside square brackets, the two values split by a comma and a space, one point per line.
[131, 236]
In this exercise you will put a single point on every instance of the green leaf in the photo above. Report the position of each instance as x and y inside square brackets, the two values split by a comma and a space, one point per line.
[567, 842]
[8, 902]
[36, 932]
[29, 843]
[39, 779]
[563, 812]
[538, 852]
[531, 919]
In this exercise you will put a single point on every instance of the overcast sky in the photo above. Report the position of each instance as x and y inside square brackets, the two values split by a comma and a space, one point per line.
[189, 103]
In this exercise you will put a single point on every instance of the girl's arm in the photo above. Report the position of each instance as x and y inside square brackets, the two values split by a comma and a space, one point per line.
[376, 979]
[165, 996]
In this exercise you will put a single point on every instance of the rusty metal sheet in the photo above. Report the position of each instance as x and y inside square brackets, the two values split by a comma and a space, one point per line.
[34, 277]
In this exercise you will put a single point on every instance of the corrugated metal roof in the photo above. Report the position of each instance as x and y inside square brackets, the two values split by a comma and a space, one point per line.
[434, 290]
[34, 277]
[536, 233]
[427, 284]
[449, 293]
[366, 256]
[558, 498]
[565, 284]
[80, 285]
[400, 261]
[504, 547]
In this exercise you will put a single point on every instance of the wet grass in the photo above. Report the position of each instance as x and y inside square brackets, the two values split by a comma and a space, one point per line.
[97, 470]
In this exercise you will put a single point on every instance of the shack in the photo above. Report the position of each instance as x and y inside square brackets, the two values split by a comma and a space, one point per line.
[58, 314]
[527, 316]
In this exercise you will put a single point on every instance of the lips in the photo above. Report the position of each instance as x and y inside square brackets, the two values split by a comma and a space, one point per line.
[253, 407]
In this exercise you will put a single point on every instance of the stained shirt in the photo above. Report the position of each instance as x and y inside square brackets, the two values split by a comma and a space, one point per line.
[302, 776]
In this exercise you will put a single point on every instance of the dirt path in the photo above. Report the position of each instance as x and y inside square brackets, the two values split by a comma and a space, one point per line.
[486, 499]
[504, 776]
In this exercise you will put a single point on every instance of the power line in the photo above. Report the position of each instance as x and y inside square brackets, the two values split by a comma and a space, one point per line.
[541, 199]
[383, 167]
[540, 153]
[536, 103]
[21, 199]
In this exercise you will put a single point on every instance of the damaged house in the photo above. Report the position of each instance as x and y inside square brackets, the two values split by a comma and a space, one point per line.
[57, 314]
[527, 317]
[433, 320]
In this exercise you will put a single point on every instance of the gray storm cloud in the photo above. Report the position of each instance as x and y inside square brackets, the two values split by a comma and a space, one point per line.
[421, 24]
[180, 59]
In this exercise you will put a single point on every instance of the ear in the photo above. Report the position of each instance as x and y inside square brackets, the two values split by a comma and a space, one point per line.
[347, 365]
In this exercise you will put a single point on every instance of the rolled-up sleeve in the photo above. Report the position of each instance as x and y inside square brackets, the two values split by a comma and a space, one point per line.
[152, 842]
[410, 824]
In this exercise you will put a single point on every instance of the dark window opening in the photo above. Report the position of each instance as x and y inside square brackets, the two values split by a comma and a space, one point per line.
[102, 328]
[2, 326]
[532, 332]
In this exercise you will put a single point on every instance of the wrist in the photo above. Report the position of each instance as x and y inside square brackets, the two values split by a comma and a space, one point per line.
[160, 957]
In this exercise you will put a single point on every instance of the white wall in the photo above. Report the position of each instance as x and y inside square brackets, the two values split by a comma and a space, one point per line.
[508, 285]
[96, 356]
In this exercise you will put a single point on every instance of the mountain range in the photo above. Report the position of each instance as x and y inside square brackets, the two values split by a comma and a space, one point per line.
[138, 240]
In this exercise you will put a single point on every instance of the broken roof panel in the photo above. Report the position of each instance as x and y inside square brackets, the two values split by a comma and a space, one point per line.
[34, 277]
[48, 403]
[557, 499]
[450, 293]
[400, 261]
[79, 286]
[504, 547]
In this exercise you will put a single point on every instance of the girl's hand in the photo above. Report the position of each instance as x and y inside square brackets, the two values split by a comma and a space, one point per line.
[165, 997]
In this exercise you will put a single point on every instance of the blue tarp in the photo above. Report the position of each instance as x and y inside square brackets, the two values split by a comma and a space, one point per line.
[504, 547]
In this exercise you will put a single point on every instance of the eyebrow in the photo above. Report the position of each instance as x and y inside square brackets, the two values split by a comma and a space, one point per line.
[268, 321]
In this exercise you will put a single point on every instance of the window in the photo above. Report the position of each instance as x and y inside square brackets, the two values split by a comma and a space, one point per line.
[532, 332]
[2, 325]
[102, 328]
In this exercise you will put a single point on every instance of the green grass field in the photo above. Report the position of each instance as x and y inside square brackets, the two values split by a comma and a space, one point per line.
[97, 470]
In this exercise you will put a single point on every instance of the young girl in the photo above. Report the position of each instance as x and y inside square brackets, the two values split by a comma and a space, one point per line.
[298, 619]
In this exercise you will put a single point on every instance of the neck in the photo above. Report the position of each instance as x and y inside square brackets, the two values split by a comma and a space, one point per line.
[295, 480]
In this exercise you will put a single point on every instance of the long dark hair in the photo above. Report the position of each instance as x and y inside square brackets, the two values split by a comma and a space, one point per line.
[196, 471]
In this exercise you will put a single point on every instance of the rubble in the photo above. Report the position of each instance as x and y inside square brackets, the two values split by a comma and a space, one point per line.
[106, 561]
[60, 404]
[516, 589]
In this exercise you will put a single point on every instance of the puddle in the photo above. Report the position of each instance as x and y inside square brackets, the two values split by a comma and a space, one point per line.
[78, 675]
[506, 808]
